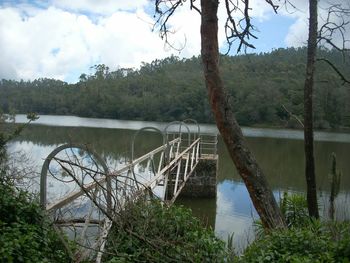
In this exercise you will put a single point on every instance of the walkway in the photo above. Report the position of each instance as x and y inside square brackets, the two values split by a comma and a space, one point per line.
[91, 194]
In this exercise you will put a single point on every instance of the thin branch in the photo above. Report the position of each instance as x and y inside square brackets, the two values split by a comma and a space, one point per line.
[342, 77]
[240, 28]
[335, 26]
[293, 115]
[194, 7]
[164, 14]
[113, 219]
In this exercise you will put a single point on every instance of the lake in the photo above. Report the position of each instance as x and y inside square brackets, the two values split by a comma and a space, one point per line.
[278, 151]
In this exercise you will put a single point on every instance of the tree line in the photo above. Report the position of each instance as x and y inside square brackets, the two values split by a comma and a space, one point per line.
[265, 89]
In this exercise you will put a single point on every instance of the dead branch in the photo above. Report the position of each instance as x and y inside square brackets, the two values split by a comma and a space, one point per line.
[293, 116]
[240, 28]
[335, 26]
[342, 77]
[113, 218]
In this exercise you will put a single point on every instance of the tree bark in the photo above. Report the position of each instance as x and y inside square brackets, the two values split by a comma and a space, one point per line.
[308, 112]
[252, 175]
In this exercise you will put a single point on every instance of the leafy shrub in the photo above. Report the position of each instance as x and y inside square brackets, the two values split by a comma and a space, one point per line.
[319, 242]
[305, 240]
[289, 246]
[294, 208]
[340, 233]
[151, 232]
[25, 234]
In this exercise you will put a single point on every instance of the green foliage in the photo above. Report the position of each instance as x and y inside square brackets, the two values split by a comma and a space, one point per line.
[294, 208]
[304, 240]
[25, 233]
[315, 243]
[7, 133]
[264, 89]
[340, 232]
[231, 254]
[152, 232]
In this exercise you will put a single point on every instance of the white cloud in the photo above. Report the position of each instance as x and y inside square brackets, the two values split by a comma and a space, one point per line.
[102, 7]
[62, 37]
[185, 24]
[46, 44]
[298, 32]
[53, 42]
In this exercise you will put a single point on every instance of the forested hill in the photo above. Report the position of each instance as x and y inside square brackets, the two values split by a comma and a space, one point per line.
[263, 89]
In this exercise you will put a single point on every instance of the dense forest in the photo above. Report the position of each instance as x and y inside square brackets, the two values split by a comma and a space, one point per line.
[265, 89]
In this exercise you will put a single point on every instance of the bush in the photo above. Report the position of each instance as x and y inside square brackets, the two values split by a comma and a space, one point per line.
[293, 245]
[151, 232]
[318, 242]
[294, 208]
[25, 233]
[305, 240]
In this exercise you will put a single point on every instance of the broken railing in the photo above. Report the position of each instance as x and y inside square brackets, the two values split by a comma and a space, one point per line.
[86, 195]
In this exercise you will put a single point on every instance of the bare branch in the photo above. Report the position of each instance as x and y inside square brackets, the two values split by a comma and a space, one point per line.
[274, 6]
[164, 9]
[335, 25]
[334, 29]
[342, 77]
[237, 28]
[293, 115]
[194, 7]
[240, 29]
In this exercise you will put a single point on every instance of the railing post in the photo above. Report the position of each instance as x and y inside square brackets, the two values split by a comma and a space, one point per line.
[177, 176]
[45, 169]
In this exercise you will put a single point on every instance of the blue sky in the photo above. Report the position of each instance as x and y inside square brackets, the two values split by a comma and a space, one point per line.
[272, 33]
[63, 38]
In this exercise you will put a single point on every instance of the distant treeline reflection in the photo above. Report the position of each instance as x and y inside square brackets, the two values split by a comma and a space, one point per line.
[281, 159]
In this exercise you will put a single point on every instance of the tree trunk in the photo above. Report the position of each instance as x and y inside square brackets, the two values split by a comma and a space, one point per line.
[254, 179]
[308, 112]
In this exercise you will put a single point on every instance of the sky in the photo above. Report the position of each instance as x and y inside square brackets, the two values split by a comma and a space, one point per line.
[62, 39]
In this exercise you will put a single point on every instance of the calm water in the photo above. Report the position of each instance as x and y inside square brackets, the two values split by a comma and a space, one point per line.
[279, 152]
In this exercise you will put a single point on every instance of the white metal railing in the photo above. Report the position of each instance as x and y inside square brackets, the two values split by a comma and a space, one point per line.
[208, 145]
[166, 151]
[101, 193]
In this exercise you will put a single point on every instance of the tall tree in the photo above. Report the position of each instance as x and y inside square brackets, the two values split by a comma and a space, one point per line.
[247, 166]
[308, 112]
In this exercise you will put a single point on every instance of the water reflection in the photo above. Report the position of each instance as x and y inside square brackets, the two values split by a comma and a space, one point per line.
[73, 121]
[282, 160]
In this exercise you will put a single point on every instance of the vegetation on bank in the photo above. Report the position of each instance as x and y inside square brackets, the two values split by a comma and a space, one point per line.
[265, 89]
[317, 242]
[152, 232]
[305, 240]
[149, 231]
[26, 234]
[146, 231]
